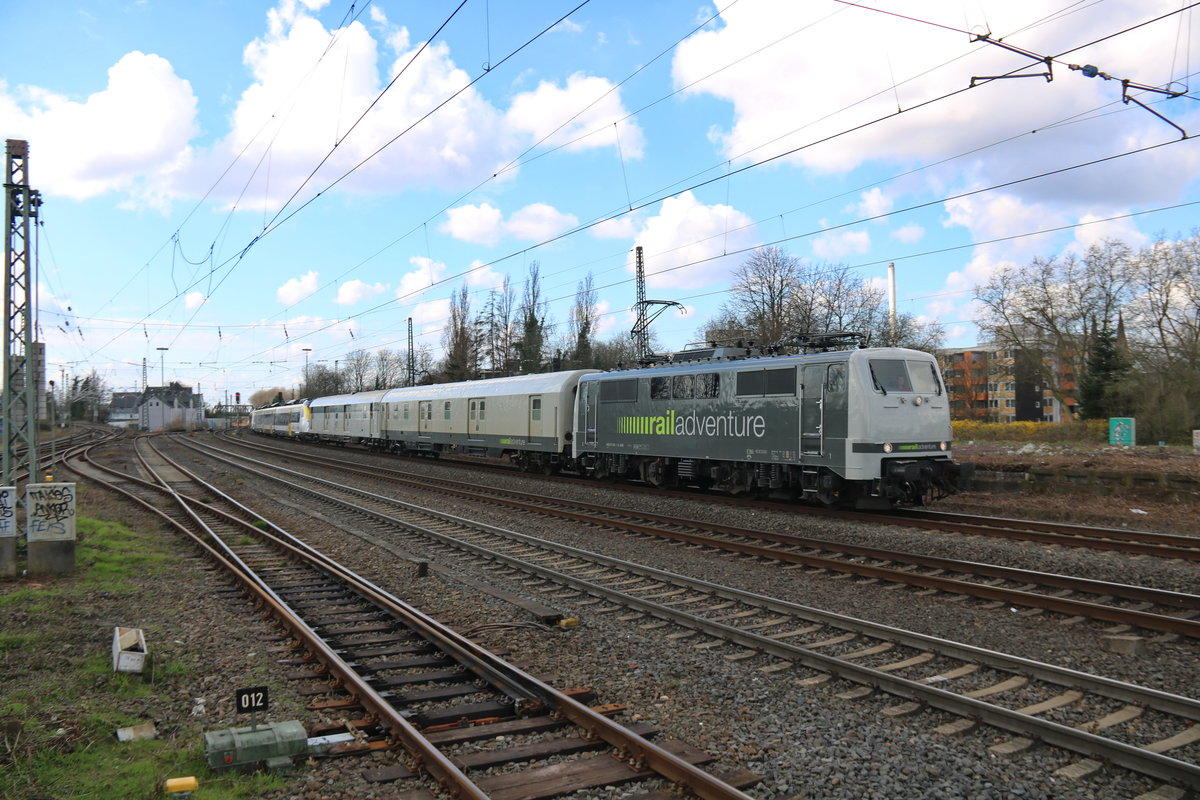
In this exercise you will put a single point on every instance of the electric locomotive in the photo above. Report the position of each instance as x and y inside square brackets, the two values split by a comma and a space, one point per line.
[867, 427]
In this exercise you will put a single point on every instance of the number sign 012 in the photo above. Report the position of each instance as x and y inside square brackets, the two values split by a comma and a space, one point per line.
[250, 701]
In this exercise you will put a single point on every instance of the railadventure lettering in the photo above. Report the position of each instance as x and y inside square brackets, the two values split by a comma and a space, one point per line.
[693, 424]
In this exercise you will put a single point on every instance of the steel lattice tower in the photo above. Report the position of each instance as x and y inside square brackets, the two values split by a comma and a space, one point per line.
[19, 406]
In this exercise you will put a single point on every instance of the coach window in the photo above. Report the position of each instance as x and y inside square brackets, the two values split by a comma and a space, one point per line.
[681, 387]
[535, 409]
[660, 388]
[446, 410]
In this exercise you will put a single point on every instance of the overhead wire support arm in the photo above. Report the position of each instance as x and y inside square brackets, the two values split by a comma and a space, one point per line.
[1047, 60]
[1090, 71]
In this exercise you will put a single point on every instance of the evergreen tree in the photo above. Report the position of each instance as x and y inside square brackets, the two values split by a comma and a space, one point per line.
[1098, 395]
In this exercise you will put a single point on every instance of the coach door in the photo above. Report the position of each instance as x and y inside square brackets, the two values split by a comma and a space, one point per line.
[424, 417]
[476, 416]
[535, 417]
[812, 409]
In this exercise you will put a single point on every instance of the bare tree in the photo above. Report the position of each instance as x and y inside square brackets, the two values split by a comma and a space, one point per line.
[264, 397]
[356, 371]
[388, 370]
[1048, 310]
[584, 313]
[460, 340]
[776, 297]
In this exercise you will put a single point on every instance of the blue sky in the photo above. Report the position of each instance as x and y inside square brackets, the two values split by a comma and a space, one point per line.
[239, 181]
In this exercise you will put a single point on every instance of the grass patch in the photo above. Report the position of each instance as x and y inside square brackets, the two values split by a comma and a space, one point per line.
[15, 641]
[60, 702]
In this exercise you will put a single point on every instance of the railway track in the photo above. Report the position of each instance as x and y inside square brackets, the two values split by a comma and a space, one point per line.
[1164, 545]
[1076, 598]
[1103, 720]
[412, 681]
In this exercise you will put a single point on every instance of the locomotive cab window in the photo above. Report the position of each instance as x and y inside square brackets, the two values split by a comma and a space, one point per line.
[924, 377]
[890, 376]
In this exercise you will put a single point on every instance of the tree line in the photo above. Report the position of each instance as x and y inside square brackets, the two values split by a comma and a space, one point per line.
[1114, 331]
[1111, 331]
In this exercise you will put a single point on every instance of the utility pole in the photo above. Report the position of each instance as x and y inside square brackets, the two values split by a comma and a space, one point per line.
[412, 357]
[18, 408]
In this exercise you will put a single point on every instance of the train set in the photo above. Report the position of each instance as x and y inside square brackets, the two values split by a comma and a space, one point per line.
[868, 427]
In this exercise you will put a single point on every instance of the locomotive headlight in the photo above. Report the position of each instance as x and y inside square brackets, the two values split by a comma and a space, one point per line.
[943, 445]
[887, 447]
[918, 400]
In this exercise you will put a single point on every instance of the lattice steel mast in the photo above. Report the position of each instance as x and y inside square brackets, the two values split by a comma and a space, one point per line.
[19, 405]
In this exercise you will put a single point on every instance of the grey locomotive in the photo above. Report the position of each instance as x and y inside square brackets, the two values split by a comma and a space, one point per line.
[868, 427]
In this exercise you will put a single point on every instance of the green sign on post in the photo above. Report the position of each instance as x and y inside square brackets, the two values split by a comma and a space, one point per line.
[1122, 431]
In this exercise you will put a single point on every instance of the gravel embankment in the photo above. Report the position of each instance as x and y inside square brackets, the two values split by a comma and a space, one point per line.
[805, 742]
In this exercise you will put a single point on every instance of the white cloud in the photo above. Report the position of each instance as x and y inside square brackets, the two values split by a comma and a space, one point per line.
[298, 289]
[127, 136]
[417, 281]
[481, 224]
[567, 26]
[356, 291]
[539, 221]
[684, 244]
[873, 203]
[194, 300]
[481, 275]
[781, 105]
[835, 244]
[1092, 231]
[909, 234]
[566, 118]
[485, 224]
[431, 316]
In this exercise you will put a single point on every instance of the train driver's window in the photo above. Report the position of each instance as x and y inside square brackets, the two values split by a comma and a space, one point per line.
[891, 375]
[924, 377]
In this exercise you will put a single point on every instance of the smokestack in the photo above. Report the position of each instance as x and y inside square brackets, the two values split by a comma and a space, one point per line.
[892, 299]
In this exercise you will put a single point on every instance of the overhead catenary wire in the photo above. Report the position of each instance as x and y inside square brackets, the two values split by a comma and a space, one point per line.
[450, 278]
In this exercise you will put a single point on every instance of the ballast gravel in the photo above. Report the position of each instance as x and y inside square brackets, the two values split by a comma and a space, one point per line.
[803, 740]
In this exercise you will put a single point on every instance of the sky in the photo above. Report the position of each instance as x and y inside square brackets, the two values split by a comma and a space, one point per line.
[258, 186]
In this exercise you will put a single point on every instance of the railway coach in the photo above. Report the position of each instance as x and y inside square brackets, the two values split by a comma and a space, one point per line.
[282, 419]
[526, 418]
[869, 427]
